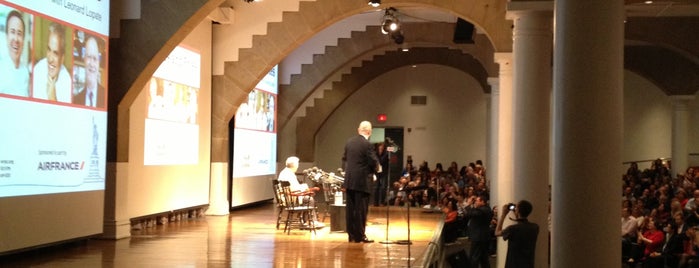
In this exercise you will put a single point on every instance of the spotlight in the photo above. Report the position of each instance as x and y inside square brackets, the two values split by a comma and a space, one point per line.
[390, 22]
[398, 37]
[389, 26]
[375, 3]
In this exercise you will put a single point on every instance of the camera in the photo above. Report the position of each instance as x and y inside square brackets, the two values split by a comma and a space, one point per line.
[511, 206]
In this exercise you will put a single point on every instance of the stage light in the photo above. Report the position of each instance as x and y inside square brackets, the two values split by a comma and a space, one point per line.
[390, 22]
[389, 26]
[375, 3]
[398, 37]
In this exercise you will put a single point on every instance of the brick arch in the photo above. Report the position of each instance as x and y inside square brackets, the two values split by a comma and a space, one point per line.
[229, 89]
[364, 44]
[317, 115]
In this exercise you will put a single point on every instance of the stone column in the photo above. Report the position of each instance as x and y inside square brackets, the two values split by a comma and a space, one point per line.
[492, 136]
[588, 131]
[680, 132]
[503, 181]
[532, 48]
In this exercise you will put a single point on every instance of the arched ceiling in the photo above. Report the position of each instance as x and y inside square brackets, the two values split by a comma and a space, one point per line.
[317, 115]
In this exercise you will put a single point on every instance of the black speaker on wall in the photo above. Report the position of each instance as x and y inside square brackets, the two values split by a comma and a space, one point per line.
[463, 32]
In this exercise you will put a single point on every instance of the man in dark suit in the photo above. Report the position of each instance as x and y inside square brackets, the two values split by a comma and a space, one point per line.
[92, 94]
[359, 162]
[478, 215]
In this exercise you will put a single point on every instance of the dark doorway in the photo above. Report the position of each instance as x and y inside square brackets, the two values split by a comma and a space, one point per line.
[395, 134]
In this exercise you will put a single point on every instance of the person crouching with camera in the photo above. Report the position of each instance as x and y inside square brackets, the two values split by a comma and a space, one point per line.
[521, 236]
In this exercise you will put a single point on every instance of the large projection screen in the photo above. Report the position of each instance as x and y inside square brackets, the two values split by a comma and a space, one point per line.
[53, 113]
[255, 144]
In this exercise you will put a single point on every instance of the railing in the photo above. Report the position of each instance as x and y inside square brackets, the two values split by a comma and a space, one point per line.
[432, 253]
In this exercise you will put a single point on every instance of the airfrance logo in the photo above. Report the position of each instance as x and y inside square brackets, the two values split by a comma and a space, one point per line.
[48, 166]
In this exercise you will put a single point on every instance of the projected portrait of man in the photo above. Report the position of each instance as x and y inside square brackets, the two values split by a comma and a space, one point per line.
[93, 93]
[51, 80]
[14, 73]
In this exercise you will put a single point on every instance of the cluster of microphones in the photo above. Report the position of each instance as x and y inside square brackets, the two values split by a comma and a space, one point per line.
[319, 176]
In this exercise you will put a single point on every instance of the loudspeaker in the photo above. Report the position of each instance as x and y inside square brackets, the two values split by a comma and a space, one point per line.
[463, 32]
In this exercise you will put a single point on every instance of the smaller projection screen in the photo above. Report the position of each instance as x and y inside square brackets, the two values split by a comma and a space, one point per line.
[172, 124]
[255, 143]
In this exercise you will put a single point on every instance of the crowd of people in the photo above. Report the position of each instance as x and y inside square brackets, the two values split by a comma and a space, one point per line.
[659, 217]
[659, 213]
[431, 188]
[461, 193]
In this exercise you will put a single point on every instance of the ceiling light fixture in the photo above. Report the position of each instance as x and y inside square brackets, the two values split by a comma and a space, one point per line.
[390, 22]
[375, 3]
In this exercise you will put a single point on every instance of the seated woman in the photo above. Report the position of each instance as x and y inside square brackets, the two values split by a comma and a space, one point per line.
[451, 223]
[650, 240]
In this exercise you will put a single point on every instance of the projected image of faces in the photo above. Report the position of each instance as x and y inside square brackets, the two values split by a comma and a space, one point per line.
[51, 79]
[172, 101]
[14, 53]
[88, 86]
[258, 112]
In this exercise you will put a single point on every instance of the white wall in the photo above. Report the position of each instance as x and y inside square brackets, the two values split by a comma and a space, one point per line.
[647, 121]
[451, 127]
[156, 189]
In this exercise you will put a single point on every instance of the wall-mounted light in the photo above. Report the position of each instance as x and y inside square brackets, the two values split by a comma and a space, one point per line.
[375, 3]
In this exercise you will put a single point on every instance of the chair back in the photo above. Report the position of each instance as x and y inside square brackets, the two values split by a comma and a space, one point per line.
[285, 194]
[278, 193]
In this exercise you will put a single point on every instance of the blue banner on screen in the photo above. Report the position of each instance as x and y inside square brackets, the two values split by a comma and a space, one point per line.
[53, 96]
[255, 142]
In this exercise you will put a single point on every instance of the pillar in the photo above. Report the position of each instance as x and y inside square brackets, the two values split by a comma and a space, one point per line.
[587, 137]
[532, 48]
[680, 132]
[503, 181]
[492, 136]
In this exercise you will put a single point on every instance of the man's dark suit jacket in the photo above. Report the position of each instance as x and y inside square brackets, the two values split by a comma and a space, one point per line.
[479, 223]
[80, 97]
[359, 163]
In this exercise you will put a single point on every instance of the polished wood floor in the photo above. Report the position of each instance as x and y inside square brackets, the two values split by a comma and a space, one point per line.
[247, 238]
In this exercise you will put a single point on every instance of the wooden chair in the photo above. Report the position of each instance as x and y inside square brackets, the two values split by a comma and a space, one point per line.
[295, 210]
[281, 203]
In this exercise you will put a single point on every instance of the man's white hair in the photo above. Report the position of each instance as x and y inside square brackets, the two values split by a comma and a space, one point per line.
[292, 160]
[364, 126]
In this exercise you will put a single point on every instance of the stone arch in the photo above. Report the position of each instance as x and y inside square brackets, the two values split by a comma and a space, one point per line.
[673, 73]
[317, 115]
[241, 76]
[366, 44]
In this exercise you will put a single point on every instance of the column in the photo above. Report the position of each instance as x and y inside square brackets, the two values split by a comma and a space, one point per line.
[492, 136]
[532, 48]
[587, 132]
[503, 180]
[680, 132]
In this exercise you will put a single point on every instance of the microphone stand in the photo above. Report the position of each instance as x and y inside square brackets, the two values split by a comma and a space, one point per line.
[408, 191]
[388, 180]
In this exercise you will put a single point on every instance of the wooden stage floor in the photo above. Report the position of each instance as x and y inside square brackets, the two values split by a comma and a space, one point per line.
[247, 238]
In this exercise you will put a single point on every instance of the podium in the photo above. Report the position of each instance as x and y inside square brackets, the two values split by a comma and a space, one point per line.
[337, 218]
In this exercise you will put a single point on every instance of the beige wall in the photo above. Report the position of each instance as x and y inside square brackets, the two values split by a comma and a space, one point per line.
[647, 120]
[451, 127]
[156, 189]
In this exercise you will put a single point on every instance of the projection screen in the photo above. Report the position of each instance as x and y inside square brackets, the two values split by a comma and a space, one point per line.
[53, 113]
